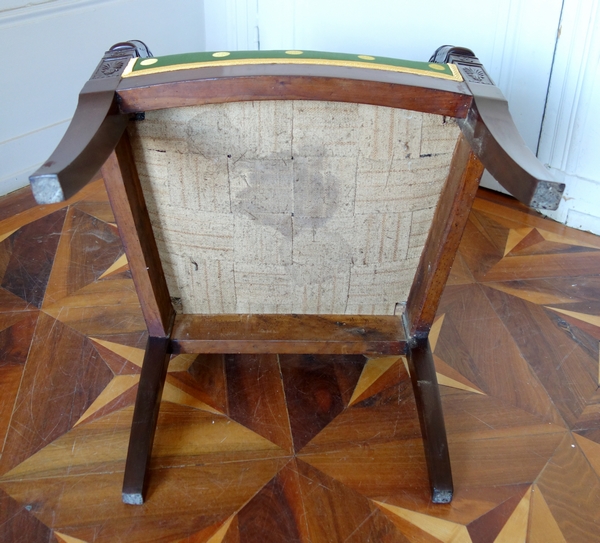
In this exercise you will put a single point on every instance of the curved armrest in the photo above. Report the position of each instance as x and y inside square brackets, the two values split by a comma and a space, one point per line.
[93, 133]
[494, 138]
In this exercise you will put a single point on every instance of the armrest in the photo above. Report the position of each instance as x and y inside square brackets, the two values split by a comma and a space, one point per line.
[494, 138]
[93, 133]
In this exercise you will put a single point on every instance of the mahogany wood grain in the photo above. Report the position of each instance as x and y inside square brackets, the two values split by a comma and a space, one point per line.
[443, 239]
[288, 334]
[431, 418]
[145, 417]
[206, 86]
[131, 214]
[495, 139]
[92, 134]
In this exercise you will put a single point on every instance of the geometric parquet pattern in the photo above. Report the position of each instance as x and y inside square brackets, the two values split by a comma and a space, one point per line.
[300, 448]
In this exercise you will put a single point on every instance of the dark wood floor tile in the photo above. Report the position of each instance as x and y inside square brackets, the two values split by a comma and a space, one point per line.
[314, 392]
[478, 252]
[348, 370]
[16, 202]
[507, 202]
[87, 248]
[539, 266]
[534, 220]
[10, 380]
[500, 461]
[276, 513]
[460, 274]
[16, 331]
[337, 513]
[33, 249]
[486, 528]
[540, 291]
[373, 447]
[59, 384]
[6, 247]
[256, 398]
[19, 525]
[582, 334]
[207, 375]
[187, 436]
[495, 232]
[180, 501]
[572, 491]
[553, 354]
[15, 340]
[484, 416]
[493, 360]
[493, 443]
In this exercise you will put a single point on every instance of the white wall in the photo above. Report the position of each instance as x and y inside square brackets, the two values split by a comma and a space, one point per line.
[49, 49]
[570, 142]
[515, 39]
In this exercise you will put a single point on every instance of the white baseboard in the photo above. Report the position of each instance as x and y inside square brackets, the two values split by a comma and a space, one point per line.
[579, 205]
[24, 154]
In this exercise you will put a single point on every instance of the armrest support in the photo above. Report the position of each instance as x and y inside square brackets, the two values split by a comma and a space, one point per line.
[93, 133]
[494, 138]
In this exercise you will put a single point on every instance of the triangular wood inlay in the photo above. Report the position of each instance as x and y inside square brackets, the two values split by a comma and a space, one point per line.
[515, 237]
[515, 528]
[118, 386]
[543, 527]
[174, 394]
[119, 265]
[590, 319]
[64, 538]
[372, 371]
[133, 354]
[444, 530]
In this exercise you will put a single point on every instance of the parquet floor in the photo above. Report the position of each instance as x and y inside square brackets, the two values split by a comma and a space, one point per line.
[300, 448]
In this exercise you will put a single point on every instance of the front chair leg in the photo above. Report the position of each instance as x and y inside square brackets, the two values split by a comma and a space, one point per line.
[145, 417]
[429, 407]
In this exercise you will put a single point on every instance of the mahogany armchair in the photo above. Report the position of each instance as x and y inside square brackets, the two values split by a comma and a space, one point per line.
[291, 202]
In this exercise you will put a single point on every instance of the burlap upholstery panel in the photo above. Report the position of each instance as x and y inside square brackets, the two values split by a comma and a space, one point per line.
[291, 206]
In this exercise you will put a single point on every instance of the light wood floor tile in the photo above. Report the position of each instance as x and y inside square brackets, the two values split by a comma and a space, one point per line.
[300, 448]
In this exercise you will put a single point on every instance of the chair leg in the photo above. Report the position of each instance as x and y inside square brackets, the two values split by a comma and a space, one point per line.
[429, 407]
[145, 417]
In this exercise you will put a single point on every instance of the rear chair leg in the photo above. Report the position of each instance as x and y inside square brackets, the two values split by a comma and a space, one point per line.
[145, 417]
[429, 407]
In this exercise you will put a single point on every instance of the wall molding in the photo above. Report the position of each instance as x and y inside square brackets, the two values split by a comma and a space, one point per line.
[565, 145]
[572, 64]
